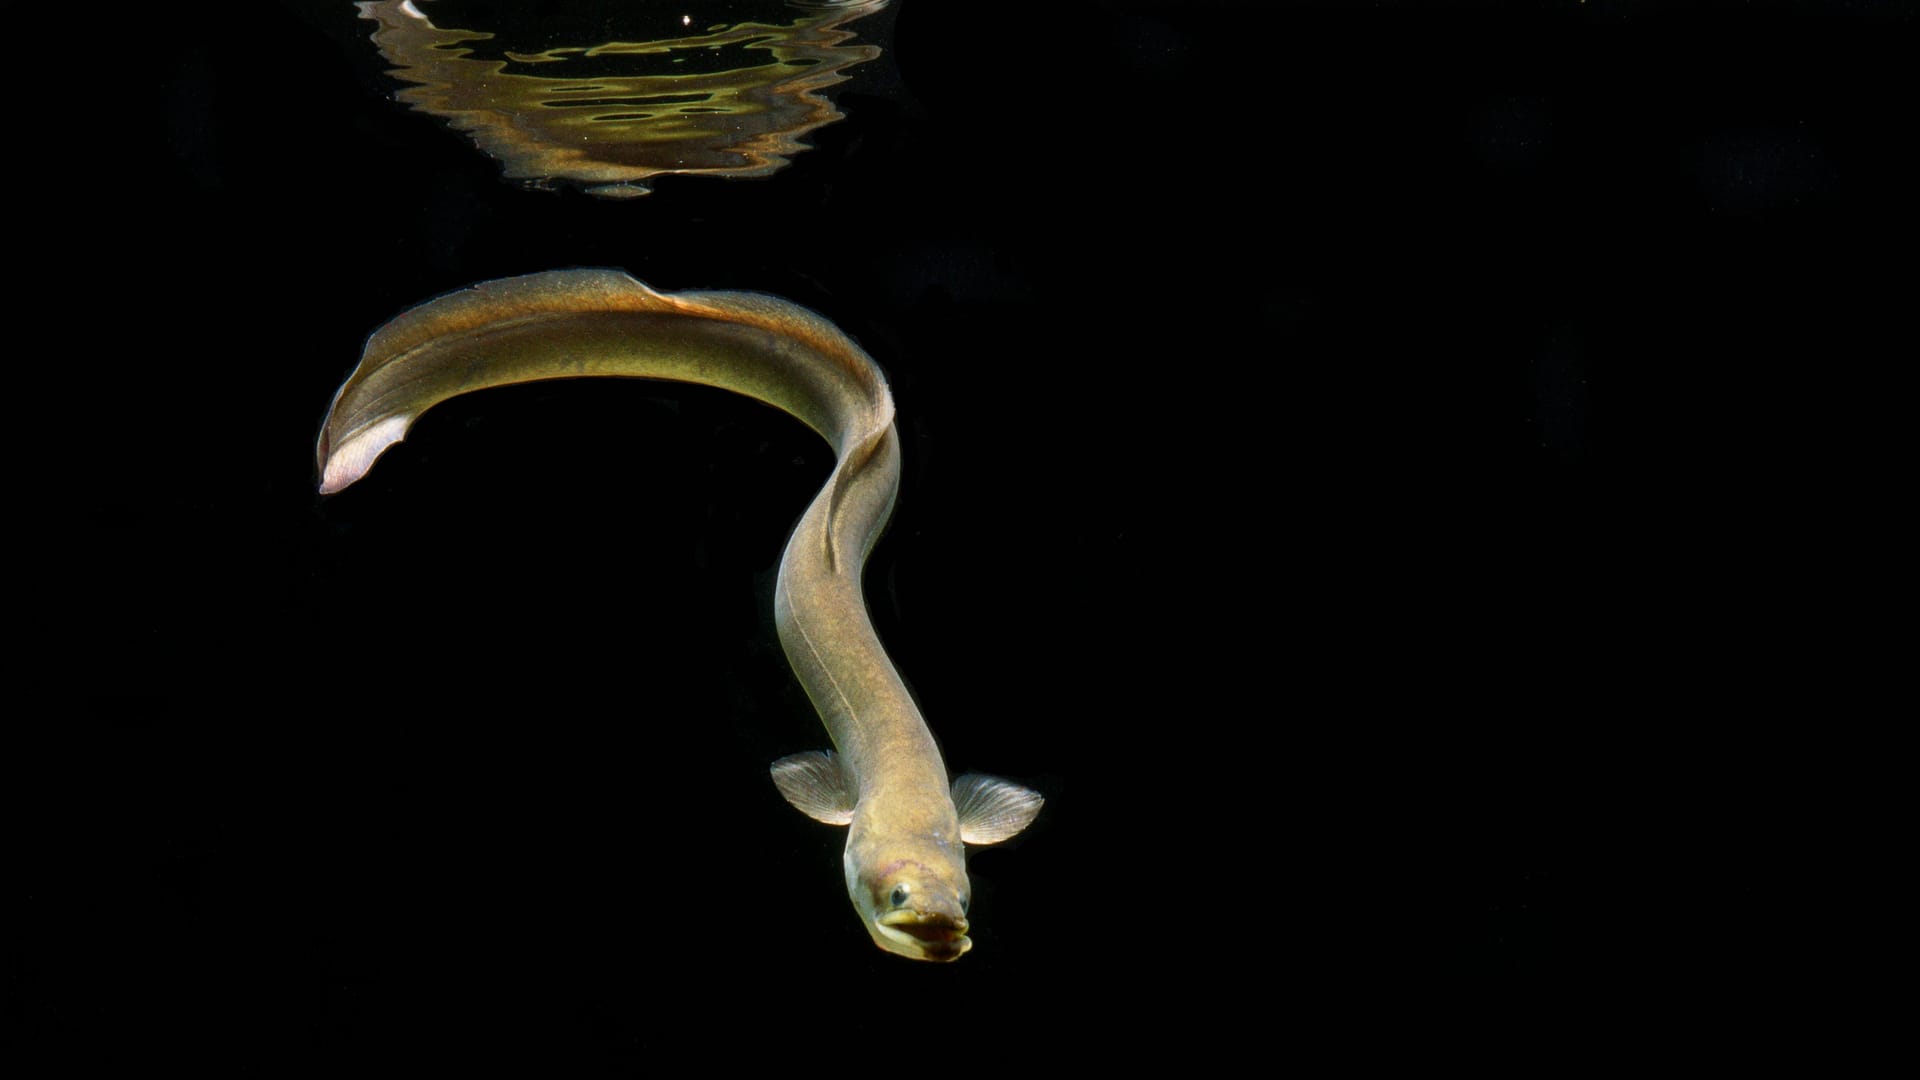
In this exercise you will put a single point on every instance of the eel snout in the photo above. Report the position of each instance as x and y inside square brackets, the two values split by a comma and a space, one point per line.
[934, 935]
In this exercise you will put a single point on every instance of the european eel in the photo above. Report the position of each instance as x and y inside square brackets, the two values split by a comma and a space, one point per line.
[905, 858]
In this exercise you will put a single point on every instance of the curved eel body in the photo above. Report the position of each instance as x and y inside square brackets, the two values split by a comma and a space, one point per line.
[905, 861]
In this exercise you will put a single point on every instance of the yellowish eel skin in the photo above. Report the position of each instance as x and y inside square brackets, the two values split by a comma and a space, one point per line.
[905, 858]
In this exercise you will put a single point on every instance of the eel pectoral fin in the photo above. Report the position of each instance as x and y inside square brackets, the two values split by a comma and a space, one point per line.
[816, 785]
[992, 809]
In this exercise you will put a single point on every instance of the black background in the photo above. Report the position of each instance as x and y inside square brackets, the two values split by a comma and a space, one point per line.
[1351, 458]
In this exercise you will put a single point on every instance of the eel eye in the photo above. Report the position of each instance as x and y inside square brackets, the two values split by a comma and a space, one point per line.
[963, 904]
[900, 895]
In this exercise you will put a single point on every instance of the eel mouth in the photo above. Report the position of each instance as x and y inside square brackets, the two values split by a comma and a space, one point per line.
[926, 935]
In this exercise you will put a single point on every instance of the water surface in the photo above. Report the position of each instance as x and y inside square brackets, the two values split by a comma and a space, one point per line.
[607, 102]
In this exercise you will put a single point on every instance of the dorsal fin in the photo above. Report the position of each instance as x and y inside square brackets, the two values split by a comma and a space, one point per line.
[854, 460]
[489, 303]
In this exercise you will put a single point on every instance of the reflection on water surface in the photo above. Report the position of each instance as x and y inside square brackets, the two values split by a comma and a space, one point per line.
[610, 98]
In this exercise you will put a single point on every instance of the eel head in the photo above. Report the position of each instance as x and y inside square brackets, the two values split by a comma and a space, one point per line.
[905, 858]
[913, 907]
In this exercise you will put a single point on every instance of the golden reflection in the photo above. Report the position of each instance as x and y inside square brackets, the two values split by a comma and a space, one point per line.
[729, 98]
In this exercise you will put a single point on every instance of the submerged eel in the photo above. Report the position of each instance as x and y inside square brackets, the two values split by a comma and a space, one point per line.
[905, 862]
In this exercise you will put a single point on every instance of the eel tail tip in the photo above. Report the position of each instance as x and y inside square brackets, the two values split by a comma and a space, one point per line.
[342, 465]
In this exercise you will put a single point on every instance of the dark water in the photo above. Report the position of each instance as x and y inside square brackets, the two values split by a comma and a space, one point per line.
[1351, 459]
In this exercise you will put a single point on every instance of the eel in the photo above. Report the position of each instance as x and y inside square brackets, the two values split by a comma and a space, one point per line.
[908, 826]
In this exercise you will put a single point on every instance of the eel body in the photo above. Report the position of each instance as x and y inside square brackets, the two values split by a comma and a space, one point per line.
[905, 859]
